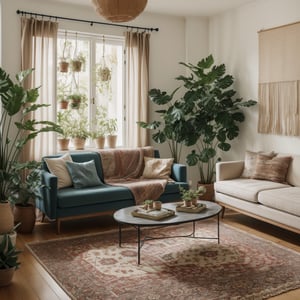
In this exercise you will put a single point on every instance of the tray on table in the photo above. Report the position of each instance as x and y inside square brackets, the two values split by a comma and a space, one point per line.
[192, 209]
[153, 214]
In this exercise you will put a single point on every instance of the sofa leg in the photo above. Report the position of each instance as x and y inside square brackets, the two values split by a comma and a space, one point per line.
[43, 217]
[58, 226]
[223, 212]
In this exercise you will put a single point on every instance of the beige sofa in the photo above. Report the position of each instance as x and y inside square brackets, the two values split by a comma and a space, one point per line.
[275, 202]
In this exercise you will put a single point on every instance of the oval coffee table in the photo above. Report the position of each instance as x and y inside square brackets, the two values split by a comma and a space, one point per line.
[124, 216]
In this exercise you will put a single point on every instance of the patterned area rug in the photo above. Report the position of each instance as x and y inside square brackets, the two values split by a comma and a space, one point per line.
[242, 266]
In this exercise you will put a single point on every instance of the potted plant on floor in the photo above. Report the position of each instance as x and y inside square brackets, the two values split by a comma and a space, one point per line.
[213, 116]
[23, 194]
[8, 260]
[205, 118]
[17, 128]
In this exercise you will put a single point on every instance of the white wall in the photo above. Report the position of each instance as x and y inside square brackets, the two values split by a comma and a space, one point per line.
[233, 40]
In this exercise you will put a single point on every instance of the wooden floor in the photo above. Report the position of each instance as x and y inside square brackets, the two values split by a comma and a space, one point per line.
[32, 282]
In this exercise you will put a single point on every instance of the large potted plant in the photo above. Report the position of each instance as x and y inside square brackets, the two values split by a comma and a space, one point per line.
[205, 118]
[8, 260]
[17, 128]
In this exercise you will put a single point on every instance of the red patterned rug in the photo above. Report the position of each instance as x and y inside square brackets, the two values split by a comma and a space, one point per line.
[242, 266]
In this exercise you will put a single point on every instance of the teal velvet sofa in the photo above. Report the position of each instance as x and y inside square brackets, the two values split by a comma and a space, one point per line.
[70, 203]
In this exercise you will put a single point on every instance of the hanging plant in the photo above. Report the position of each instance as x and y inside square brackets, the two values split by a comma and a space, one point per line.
[63, 63]
[77, 61]
[104, 72]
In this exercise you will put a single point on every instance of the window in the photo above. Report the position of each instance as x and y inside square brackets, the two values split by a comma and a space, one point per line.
[90, 78]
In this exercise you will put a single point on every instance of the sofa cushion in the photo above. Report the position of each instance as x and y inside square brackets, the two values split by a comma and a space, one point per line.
[83, 174]
[57, 166]
[157, 168]
[250, 162]
[287, 199]
[244, 188]
[274, 169]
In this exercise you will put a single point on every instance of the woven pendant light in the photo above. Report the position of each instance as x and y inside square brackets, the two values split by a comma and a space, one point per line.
[119, 10]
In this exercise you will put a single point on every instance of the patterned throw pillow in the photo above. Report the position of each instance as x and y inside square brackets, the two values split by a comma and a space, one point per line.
[57, 166]
[274, 169]
[157, 168]
[250, 162]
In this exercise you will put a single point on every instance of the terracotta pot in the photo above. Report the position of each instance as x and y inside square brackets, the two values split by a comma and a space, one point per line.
[63, 66]
[63, 104]
[112, 141]
[194, 201]
[187, 203]
[63, 144]
[100, 142]
[6, 276]
[26, 216]
[210, 192]
[6, 218]
[78, 143]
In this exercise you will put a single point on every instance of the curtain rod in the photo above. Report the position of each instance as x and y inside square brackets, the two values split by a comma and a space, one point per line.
[32, 14]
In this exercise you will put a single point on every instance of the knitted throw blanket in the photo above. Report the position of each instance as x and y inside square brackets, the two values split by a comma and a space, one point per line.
[124, 167]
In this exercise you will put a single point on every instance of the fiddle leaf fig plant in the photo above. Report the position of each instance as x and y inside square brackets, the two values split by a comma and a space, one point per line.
[206, 118]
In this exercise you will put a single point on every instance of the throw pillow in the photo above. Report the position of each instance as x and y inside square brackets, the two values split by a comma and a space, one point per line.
[83, 174]
[250, 162]
[57, 166]
[274, 169]
[157, 168]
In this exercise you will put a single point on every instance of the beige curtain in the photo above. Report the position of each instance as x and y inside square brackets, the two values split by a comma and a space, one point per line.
[137, 86]
[38, 51]
[279, 80]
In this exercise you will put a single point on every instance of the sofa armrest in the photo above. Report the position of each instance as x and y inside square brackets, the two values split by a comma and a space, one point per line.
[226, 170]
[178, 172]
[49, 194]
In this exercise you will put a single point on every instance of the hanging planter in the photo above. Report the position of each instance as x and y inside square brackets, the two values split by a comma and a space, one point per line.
[63, 66]
[104, 72]
[76, 65]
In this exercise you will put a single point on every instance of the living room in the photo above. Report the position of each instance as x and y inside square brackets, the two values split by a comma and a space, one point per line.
[230, 35]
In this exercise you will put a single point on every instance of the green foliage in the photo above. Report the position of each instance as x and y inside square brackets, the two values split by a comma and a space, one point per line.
[100, 122]
[25, 190]
[190, 194]
[17, 127]
[112, 126]
[8, 254]
[206, 118]
[63, 120]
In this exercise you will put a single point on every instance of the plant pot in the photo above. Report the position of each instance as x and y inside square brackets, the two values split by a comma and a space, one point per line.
[104, 74]
[63, 144]
[194, 201]
[78, 143]
[63, 66]
[209, 195]
[6, 218]
[63, 104]
[6, 276]
[112, 141]
[187, 203]
[75, 103]
[100, 142]
[26, 216]
[157, 205]
[76, 65]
